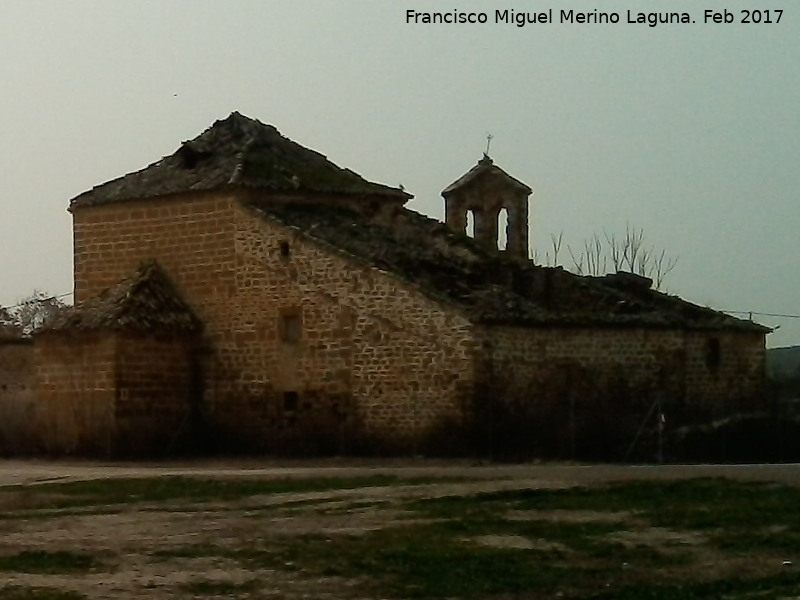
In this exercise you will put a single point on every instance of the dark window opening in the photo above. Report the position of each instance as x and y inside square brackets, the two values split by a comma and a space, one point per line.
[713, 353]
[190, 156]
[285, 250]
[291, 328]
[290, 400]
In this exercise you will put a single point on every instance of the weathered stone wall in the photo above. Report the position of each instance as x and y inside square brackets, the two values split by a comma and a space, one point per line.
[158, 395]
[308, 349]
[115, 394]
[191, 236]
[377, 364]
[585, 392]
[376, 361]
[75, 393]
[725, 371]
[17, 381]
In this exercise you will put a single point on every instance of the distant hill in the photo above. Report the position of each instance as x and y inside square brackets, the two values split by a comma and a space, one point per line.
[783, 363]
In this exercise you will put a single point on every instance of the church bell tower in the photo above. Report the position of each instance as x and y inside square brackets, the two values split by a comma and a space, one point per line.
[486, 191]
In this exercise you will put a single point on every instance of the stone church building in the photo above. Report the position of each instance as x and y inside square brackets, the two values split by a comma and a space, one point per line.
[245, 293]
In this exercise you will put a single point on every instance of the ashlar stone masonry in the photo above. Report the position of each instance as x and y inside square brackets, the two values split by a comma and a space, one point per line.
[245, 293]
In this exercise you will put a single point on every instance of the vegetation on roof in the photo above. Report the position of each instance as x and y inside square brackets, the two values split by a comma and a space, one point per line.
[238, 151]
[487, 285]
[147, 301]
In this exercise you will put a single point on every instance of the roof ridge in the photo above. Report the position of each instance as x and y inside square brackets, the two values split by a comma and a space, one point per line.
[240, 151]
[145, 301]
[485, 165]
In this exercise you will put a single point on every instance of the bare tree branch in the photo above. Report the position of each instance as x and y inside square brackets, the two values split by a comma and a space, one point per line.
[577, 263]
[30, 313]
[620, 253]
[555, 242]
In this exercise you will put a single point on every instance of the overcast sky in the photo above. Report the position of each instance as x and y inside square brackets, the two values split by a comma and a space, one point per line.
[689, 131]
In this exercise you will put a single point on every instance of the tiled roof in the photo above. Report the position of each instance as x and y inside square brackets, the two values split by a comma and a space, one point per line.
[484, 168]
[147, 301]
[490, 288]
[243, 152]
[418, 249]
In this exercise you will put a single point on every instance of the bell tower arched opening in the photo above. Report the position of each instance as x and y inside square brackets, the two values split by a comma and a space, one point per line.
[502, 230]
[469, 227]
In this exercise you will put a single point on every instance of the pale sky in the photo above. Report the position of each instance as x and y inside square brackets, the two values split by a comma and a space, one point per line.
[688, 131]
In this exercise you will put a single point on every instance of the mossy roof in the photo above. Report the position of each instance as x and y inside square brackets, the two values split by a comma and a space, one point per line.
[145, 302]
[239, 152]
[489, 287]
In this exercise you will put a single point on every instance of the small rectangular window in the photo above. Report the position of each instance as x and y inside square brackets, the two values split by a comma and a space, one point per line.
[713, 353]
[290, 401]
[284, 248]
[291, 327]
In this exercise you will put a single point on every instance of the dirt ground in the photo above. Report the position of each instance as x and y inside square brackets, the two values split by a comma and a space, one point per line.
[134, 535]
[30, 472]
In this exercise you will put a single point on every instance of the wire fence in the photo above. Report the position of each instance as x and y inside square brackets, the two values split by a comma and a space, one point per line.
[745, 313]
[33, 299]
[752, 313]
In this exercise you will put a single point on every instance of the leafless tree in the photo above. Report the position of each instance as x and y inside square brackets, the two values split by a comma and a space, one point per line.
[30, 314]
[551, 256]
[611, 252]
[662, 265]
[592, 260]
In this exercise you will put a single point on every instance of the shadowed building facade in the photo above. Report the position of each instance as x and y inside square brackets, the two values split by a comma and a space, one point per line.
[304, 309]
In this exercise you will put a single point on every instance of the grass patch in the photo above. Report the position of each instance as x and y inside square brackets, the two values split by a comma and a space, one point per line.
[38, 593]
[40, 561]
[628, 540]
[253, 557]
[418, 561]
[574, 558]
[444, 559]
[767, 588]
[59, 513]
[734, 515]
[192, 551]
[690, 503]
[172, 488]
[220, 588]
[333, 506]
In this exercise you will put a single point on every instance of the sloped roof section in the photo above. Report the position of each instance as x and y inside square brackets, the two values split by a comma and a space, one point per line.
[418, 249]
[484, 168]
[454, 268]
[238, 151]
[145, 302]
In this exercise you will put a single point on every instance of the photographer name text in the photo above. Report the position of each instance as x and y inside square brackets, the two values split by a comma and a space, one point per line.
[596, 17]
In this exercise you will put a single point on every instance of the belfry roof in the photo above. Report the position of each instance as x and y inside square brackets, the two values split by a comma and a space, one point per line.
[485, 168]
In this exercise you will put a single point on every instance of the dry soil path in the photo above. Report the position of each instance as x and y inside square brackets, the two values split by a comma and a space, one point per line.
[15, 472]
